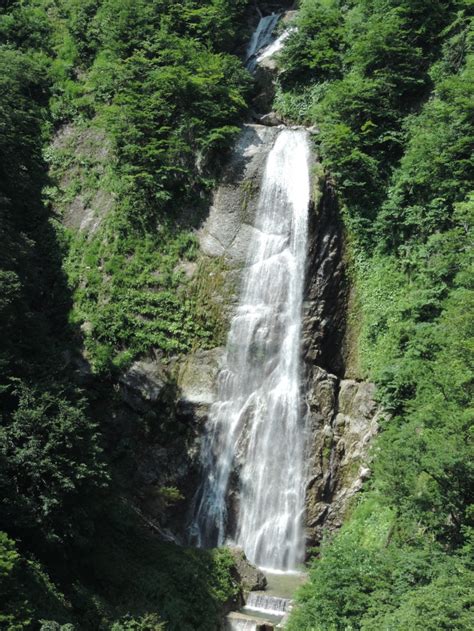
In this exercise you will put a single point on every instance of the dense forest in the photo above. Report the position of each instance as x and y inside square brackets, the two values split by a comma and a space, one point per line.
[130, 105]
[144, 87]
[389, 83]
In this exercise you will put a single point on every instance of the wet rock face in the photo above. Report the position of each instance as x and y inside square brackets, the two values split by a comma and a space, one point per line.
[342, 417]
[229, 226]
[326, 291]
[266, 75]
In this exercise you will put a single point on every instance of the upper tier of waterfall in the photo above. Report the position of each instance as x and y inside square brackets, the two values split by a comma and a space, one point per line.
[275, 46]
[255, 428]
[261, 38]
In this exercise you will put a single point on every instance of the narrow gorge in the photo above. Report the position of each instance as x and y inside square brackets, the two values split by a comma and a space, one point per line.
[236, 313]
[279, 424]
[284, 433]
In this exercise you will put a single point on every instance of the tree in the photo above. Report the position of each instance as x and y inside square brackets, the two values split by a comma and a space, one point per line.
[51, 465]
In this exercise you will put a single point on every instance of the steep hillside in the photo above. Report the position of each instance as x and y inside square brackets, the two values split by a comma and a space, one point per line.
[120, 125]
[389, 86]
[113, 115]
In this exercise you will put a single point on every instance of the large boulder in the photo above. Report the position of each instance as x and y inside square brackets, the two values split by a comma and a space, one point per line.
[249, 577]
[142, 385]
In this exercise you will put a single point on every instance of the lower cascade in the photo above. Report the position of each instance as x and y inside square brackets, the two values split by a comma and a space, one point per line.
[268, 604]
[255, 434]
[262, 612]
[240, 624]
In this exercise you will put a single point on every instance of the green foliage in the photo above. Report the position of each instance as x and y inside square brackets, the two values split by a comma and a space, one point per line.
[170, 98]
[124, 580]
[9, 559]
[158, 86]
[435, 172]
[378, 57]
[144, 297]
[27, 593]
[143, 98]
[313, 52]
[24, 89]
[350, 569]
[397, 134]
[133, 575]
[50, 461]
[368, 578]
[445, 603]
[417, 344]
[26, 26]
[148, 622]
[172, 112]
[9, 556]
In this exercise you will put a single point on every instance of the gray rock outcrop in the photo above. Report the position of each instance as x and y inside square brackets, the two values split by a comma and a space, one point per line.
[197, 378]
[270, 120]
[227, 229]
[342, 422]
[88, 151]
[249, 576]
[197, 390]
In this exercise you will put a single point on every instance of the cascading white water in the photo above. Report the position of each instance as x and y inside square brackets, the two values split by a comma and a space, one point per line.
[255, 427]
[275, 46]
[241, 625]
[262, 37]
[274, 605]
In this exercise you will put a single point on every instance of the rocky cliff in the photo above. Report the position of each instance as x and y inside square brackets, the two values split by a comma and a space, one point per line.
[154, 400]
[342, 417]
[341, 413]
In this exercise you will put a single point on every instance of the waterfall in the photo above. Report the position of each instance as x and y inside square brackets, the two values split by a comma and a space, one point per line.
[262, 37]
[274, 605]
[275, 46]
[255, 429]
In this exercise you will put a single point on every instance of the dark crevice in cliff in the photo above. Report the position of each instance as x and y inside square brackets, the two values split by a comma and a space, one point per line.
[326, 287]
[342, 415]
